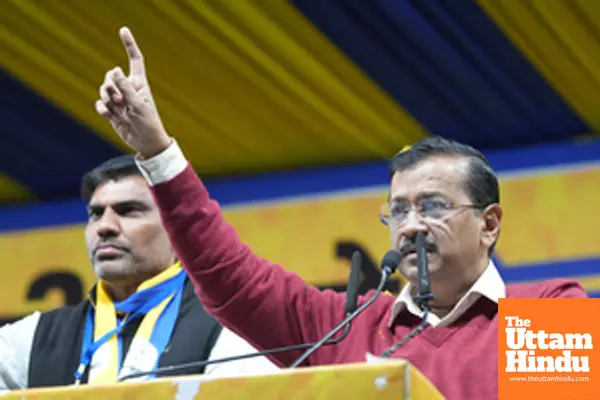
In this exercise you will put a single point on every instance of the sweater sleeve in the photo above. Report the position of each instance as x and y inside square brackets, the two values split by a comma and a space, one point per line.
[260, 301]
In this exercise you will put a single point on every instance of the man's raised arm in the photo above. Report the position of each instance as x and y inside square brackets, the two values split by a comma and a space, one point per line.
[259, 300]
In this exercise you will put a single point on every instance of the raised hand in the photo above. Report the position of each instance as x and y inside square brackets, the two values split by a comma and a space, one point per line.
[127, 102]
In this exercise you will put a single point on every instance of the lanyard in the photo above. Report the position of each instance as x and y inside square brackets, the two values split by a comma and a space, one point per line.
[139, 304]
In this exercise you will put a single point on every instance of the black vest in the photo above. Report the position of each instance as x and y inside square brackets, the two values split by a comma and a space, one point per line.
[56, 347]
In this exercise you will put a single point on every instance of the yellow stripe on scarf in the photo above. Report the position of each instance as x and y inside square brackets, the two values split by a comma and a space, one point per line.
[105, 320]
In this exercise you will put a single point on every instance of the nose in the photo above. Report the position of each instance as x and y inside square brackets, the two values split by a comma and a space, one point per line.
[411, 226]
[108, 225]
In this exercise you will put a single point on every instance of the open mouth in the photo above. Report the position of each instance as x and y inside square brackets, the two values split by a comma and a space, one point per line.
[412, 253]
[409, 253]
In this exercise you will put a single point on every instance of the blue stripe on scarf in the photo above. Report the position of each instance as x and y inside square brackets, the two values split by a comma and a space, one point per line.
[138, 304]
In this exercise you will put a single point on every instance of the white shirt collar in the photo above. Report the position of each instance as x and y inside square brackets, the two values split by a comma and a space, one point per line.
[489, 284]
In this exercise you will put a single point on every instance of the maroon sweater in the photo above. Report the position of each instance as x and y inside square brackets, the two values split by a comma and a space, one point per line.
[271, 307]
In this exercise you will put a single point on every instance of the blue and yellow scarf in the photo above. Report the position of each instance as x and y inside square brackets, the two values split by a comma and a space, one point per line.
[157, 300]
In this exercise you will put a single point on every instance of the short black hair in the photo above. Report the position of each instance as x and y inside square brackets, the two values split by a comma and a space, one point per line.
[481, 183]
[115, 168]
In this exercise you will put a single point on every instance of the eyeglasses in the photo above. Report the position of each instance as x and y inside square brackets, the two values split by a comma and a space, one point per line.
[437, 209]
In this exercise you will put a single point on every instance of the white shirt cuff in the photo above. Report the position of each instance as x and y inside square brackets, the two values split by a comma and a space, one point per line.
[164, 166]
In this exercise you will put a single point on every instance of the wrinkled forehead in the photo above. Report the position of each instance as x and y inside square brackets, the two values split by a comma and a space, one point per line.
[436, 175]
[125, 189]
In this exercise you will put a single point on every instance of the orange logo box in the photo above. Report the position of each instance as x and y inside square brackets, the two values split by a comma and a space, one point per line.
[549, 349]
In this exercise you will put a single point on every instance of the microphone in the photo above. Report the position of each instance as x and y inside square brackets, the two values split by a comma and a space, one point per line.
[389, 263]
[423, 297]
[350, 306]
[353, 282]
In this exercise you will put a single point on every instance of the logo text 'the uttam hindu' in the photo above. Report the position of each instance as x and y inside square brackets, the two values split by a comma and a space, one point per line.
[526, 347]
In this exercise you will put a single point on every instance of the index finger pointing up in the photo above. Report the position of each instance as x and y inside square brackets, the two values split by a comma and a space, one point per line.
[136, 59]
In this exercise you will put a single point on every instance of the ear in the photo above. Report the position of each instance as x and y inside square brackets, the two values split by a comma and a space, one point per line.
[492, 217]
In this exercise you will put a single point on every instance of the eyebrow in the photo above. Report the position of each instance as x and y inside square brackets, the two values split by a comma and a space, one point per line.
[424, 195]
[120, 204]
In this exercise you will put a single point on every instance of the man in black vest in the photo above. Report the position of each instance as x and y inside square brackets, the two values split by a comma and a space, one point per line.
[141, 314]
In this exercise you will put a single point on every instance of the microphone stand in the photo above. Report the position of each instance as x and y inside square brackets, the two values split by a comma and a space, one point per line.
[197, 364]
[390, 263]
[422, 299]
[350, 307]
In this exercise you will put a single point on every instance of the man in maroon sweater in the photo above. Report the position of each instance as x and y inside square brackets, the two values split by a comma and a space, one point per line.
[442, 188]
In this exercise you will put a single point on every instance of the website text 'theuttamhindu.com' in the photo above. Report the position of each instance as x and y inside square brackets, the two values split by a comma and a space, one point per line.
[549, 378]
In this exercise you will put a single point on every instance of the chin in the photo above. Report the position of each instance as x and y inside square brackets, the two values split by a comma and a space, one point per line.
[112, 270]
[408, 271]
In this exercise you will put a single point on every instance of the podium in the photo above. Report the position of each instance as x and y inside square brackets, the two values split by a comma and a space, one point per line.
[387, 380]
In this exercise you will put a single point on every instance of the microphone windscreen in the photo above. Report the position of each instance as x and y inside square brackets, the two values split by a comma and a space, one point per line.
[391, 259]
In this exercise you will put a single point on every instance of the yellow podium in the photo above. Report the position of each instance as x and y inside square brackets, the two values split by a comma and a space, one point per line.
[388, 380]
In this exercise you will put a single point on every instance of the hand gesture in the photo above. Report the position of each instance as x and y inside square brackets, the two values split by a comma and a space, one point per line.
[126, 101]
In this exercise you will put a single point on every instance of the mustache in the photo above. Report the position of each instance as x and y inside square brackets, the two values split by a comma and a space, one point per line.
[409, 245]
